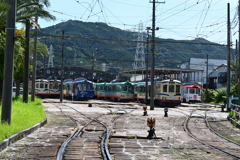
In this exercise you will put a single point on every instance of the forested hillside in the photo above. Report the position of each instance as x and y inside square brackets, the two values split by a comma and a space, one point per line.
[92, 44]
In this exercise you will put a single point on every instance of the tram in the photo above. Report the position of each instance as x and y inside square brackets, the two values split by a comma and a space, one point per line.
[168, 92]
[120, 91]
[100, 92]
[82, 89]
[41, 88]
[66, 88]
[191, 93]
[140, 91]
[54, 88]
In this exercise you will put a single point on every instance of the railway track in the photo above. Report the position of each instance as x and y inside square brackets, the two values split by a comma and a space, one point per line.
[197, 126]
[127, 136]
[91, 139]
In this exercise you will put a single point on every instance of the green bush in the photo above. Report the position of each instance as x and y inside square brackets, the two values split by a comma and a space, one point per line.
[220, 95]
[232, 114]
[210, 97]
[215, 96]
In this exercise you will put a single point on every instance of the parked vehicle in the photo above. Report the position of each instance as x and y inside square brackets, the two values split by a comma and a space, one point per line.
[14, 91]
[78, 89]
[168, 92]
[119, 91]
[54, 88]
[100, 92]
[42, 88]
[82, 89]
[191, 93]
[67, 92]
[47, 88]
[140, 92]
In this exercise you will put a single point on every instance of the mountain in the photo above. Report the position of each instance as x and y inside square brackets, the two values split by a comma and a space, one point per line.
[93, 45]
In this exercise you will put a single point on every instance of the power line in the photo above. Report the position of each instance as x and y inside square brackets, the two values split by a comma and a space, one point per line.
[129, 41]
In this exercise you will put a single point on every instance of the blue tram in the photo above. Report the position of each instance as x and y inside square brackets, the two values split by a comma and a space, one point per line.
[78, 89]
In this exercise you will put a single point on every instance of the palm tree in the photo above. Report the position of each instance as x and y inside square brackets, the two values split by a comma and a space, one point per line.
[33, 9]
[3, 15]
[26, 9]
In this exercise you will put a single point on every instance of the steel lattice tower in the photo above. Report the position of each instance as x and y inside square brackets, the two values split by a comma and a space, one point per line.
[50, 58]
[139, 60]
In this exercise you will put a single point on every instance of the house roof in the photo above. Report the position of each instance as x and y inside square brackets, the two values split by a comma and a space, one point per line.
[161, 71]
[215, 72]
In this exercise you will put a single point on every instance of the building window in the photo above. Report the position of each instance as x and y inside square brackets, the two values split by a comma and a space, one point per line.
[222, 77]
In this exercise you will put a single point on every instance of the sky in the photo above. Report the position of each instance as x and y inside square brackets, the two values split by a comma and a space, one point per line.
[177, 19]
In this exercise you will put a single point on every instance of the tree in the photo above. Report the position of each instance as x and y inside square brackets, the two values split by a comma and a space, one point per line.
[3, 15]
[26, 9]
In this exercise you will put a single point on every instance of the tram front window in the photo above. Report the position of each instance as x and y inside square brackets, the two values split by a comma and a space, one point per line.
[171, 88]
[178, 89]
[124, 88]
[192, 91]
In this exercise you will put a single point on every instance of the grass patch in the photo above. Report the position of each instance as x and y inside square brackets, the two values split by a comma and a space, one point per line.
[24, 115]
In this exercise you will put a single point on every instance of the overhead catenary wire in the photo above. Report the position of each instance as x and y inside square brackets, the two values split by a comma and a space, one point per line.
[105, 13]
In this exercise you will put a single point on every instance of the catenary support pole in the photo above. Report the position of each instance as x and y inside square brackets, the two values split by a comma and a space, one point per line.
[146, 59]
[238, 53]
[153, 58]
[228, 52]
[62, 72]
[207, 80]
[8, 64]
[26, 63]
[153, 55]
[34, 63]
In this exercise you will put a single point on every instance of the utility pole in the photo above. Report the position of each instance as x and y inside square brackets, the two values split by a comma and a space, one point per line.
[34, 62]
[75, 55]
[153, 55]
[238, 52]
[62, 72]
[207, 79]
[229, 50]
[8, 64]
[26, 63]
[44, 59]
[92, 65]
[146, 85]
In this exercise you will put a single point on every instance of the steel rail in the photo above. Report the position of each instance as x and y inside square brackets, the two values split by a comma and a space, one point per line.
[206, 120]
[65, 143]
[104, 143]
[190, 134]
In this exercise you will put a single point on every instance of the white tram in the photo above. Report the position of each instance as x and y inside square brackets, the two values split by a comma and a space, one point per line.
[168, 92]
[47, 88]
[191, 93]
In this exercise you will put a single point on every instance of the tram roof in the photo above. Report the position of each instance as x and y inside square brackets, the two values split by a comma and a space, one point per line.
[161, 71]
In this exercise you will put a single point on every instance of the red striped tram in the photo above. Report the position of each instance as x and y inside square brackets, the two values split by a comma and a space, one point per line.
[191, 93]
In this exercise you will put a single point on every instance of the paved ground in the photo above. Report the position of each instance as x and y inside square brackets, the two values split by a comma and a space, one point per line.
[129, 135]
